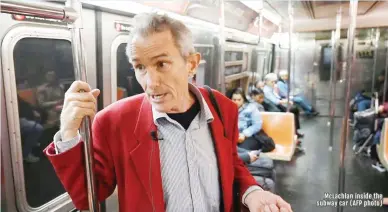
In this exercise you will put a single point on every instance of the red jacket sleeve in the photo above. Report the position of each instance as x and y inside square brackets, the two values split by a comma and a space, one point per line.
[242, 175]
[70, 168]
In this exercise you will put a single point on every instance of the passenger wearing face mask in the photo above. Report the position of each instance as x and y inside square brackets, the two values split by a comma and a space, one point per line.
[166, 149]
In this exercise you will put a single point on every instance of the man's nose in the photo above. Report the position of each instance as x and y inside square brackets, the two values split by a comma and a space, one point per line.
[153, 79]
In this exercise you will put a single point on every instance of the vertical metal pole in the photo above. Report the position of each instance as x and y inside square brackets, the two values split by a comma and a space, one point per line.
[260, 31]
[349, 64]
[85, 130]
[333, 81]
[375, 59]
[332, 91]
[291, 17]
[222, 47]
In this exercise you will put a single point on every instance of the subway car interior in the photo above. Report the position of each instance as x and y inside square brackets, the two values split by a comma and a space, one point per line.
[326, 60]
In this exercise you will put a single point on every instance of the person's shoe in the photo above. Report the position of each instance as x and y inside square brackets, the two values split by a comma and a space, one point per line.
[31, 158]
[355, 146]
[379, 167]
[299, 147]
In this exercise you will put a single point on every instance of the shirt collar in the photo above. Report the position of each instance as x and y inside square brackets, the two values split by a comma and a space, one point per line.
[205, 113]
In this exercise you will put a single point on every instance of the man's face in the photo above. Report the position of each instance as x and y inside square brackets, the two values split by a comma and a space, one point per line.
[260, 85]
[284, 77]
[271, 83]
[259, 98]
[238, 99]
[162, 72]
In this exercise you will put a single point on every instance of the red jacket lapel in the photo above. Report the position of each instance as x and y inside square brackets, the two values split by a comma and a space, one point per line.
[147, 169]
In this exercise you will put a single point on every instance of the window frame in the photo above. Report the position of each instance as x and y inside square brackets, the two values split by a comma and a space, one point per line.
[120, 39]
[63, 201]
[244, 63]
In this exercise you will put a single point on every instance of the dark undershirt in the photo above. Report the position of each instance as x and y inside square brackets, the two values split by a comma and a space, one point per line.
[187, 117]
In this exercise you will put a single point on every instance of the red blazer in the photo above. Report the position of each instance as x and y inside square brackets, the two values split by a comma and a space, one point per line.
[122, 147]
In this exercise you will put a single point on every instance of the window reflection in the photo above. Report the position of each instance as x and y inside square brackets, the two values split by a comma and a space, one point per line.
[127, 84]
[44, 70]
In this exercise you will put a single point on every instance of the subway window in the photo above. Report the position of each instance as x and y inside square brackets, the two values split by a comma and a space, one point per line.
[43, 71]
[233, 56]
[127, 84]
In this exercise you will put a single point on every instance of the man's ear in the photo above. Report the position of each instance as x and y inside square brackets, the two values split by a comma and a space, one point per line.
[193, 62]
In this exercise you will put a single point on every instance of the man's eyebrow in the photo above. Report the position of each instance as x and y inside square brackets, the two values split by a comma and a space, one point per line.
[160, 55]
[135, 59]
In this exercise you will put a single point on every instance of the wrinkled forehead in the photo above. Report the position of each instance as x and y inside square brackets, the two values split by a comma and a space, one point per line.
[143, 47]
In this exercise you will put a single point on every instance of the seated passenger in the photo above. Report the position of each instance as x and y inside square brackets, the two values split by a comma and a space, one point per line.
[260, 84]
[383, 113]
[298, 99]
[50, 97]
[30, 130]
[251, 159]
[362, 101]
[257, 96]
[249, 121]
[281, 104]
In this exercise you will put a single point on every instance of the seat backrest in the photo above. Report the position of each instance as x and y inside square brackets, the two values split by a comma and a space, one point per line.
[383, 147]
[120, 93]
[28, 95]
[279, 126]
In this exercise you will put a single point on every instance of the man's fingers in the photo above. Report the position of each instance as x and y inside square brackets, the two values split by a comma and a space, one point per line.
[79, 113]
[284, 210]
[87, 105]
[77, 86]
[283, 204]
[274, 208]
[267, 209]
[82, 97]
[95, 93]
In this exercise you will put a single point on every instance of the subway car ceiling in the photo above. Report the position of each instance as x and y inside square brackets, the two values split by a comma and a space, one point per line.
[243, 15]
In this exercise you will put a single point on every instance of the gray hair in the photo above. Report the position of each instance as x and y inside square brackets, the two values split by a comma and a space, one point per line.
[270, 77]
[149, 23]
[283, 73]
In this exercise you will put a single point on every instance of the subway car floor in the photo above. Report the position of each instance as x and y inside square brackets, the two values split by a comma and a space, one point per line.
[304, 180]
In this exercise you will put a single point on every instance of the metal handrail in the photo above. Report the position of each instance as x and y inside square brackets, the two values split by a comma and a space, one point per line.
[71, 14]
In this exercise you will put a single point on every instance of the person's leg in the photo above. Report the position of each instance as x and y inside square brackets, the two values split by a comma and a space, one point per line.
[250, 143]
[267, 183]
[363, 105]
[302, 102]
[32, 132]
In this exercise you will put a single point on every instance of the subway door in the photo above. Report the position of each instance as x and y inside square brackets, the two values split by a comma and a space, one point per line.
[37, 69]
[119, 79]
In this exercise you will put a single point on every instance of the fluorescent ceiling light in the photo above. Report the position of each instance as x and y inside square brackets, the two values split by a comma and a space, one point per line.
[254, 5]
[258, 6]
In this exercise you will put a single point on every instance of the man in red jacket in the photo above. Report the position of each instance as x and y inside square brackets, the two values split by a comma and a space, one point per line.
[167, 149]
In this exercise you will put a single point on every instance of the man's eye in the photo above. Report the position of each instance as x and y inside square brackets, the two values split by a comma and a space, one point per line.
[140, 68]
[163, 65]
